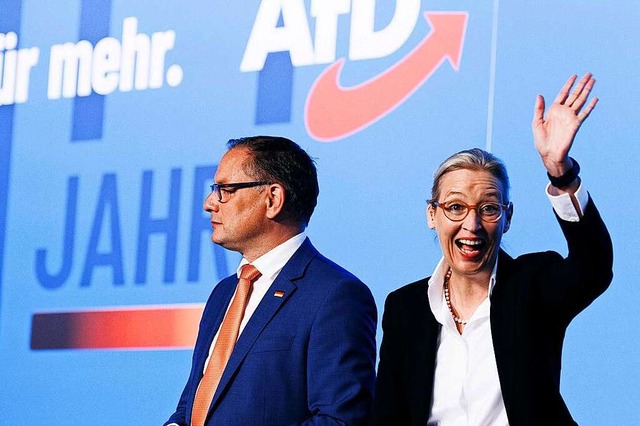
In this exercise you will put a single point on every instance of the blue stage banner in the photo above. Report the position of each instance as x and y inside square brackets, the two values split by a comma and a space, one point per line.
[114, 114]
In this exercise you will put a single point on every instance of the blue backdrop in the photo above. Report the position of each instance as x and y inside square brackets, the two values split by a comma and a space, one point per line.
[113, 115]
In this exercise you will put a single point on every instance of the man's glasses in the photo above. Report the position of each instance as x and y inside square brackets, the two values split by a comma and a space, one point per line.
[457, 211]
[224, 191]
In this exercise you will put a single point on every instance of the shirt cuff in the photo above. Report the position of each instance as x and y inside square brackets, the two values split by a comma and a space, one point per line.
[564, 206]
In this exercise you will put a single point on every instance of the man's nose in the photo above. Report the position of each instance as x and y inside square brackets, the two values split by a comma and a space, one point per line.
[211, 202]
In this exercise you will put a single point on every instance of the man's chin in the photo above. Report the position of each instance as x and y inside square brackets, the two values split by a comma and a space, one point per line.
[217, 239]
[222, 243]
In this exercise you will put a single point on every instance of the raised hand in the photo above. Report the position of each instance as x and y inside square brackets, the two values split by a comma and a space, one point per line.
[554, 134]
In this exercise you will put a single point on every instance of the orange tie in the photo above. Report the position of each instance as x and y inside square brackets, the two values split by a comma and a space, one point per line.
[224, 346]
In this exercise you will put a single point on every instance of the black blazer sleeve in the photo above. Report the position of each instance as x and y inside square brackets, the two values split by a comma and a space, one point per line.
[585, 273]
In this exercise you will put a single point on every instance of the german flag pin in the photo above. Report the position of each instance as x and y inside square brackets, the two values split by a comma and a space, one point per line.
[278, 293]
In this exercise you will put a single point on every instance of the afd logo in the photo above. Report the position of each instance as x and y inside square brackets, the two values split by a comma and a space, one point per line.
[333, 111]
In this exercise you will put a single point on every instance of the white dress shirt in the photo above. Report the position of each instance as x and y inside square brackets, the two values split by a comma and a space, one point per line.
[466, 389]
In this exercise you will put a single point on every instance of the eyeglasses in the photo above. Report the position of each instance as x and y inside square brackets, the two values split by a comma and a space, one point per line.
[457, 211]
[224, 190]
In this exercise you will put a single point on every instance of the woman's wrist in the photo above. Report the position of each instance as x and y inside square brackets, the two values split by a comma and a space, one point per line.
[563, 179]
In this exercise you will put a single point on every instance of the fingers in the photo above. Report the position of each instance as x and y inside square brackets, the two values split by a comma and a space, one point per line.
[579, 96]
[564, 92]
[577, 99]
[538, 111]
[585, 112]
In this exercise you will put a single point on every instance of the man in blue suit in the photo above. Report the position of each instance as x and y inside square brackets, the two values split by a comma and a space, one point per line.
[306, 347]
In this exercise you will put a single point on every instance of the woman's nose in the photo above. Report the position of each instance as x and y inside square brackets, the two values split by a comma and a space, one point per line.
[473, 221]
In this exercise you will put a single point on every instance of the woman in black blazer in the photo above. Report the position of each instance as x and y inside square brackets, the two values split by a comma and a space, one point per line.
[480, 341]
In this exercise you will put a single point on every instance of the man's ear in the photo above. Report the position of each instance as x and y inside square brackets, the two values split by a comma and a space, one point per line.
[509, 213]
[275, 200]
[431, 216]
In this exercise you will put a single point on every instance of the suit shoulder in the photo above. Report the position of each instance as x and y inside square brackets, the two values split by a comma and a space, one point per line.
[536, 259]
[330, 269]
[406, 305]
[318, 277]
[410, 291]
[328, 285]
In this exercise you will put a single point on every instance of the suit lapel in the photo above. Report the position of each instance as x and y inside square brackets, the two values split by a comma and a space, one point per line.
[267, 308]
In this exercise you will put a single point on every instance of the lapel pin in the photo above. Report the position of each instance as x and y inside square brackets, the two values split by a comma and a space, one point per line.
[278, 293]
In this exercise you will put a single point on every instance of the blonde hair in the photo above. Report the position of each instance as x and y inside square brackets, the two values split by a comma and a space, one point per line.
[472, 159]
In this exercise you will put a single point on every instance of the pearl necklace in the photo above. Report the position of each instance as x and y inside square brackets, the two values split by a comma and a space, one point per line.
[445, 287]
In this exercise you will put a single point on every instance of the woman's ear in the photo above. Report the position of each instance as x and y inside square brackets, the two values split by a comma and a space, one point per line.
[509, 215]
[431, 216]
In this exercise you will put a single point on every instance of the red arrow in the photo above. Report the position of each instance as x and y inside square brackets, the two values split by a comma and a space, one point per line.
[333, 112]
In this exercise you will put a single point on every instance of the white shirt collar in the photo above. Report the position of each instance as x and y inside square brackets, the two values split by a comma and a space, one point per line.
[272, 262]
[440, 271]
[435, 294]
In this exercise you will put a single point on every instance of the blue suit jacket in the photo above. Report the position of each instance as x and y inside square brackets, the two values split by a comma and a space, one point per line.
[305, 358]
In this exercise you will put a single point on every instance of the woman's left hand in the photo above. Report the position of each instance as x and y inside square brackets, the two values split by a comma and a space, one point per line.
[554, 134]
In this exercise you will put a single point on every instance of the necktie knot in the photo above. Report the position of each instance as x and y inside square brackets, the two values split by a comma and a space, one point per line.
[249, 272]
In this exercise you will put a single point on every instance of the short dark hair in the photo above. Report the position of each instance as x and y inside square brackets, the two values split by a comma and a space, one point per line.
[280, 160]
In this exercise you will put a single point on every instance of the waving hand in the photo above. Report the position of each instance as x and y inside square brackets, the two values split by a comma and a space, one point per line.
[554, 134]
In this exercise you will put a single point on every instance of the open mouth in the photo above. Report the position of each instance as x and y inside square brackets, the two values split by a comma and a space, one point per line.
[470, 247]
